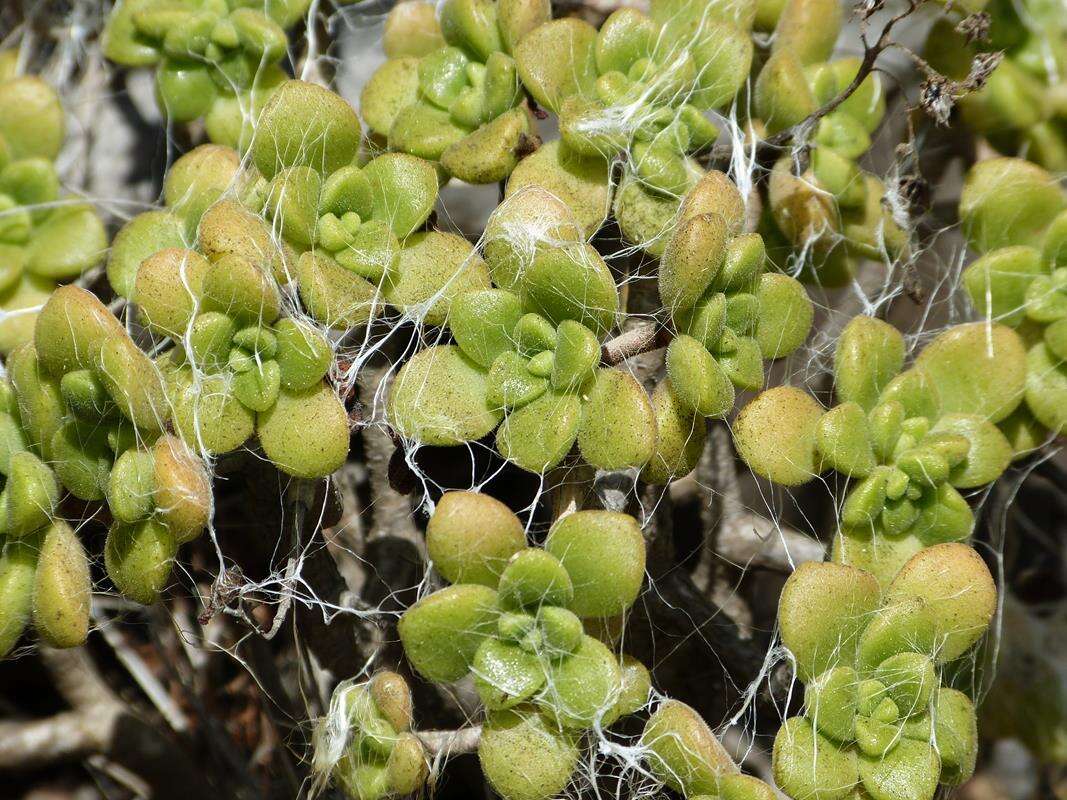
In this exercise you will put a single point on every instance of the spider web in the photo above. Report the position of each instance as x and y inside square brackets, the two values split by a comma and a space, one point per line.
[120, 172]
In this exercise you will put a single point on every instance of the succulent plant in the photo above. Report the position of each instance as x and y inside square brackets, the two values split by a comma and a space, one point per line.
[239, 367]
[527, 352]
[685, 755]
[209, 273]
[728, 315]
[160, 498]
[357, 228]
[513, 618]
[82, 413]
[44, 572]
[1015, 215]
[449, 91]
[93, 405]
[639, 86]
[45, 237]
[879, 717]
[365, 745]
[909, 440]
[1022, 107]
[214, 59]
[304, 226]
[825, 206]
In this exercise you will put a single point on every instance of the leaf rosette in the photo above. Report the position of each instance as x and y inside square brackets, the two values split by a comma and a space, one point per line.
[878, 716]
[449, 91]
[214, 59]
[513, 618]
[1015, 215]
[908, 439]
[365, 745]
[45, 237]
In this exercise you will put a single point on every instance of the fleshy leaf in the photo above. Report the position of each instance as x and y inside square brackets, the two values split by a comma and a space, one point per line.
[958, 590]
[775, 435]
[869, 354]
[785, 315]
[524, 757]
[471, 536]
[434, 269]
[584, 686]
[558, 59]
[978, 368]
[680, 436]
[442, 632]
[683, 752]
[439, 397]
[808, 766]
[909, 771]
[604, 554]
[618, 427]
[538, 436]
[822, 611]
[283, 432]
[572, 283]
[305, 125]
[1008, 201]
[582, 183]
[699, 384]
[844, 441]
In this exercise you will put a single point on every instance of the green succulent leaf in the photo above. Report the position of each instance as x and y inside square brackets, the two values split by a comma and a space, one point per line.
[283, 431]
[844, 441]
[699, 383]
[978, 368]
[526, 757]
[62, 588]
[808, 766]
[869, 354]
[907, 772]
[1046, 387]
[775, 434]
[581, 183]
[533, 578]
[584, 686]
[572, 283]
[823, 610]
[471, 536]
[604, 554]
[617, 427]
[1008, 201]
[18, 568]
[539, 435]
[305, 125]
[557, 60]
[831, 702]
[434, 270]
[439, 397]
[443, 631]
[505, 674]
[955, 586]
[139, 557]
[684, 753]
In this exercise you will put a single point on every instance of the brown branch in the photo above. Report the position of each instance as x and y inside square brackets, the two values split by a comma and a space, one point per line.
[65, 736]
[871, 53]
[744, 537]
[642, 338]
[451, 743]
[753, 540]
[390, 510]
[100, 723]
